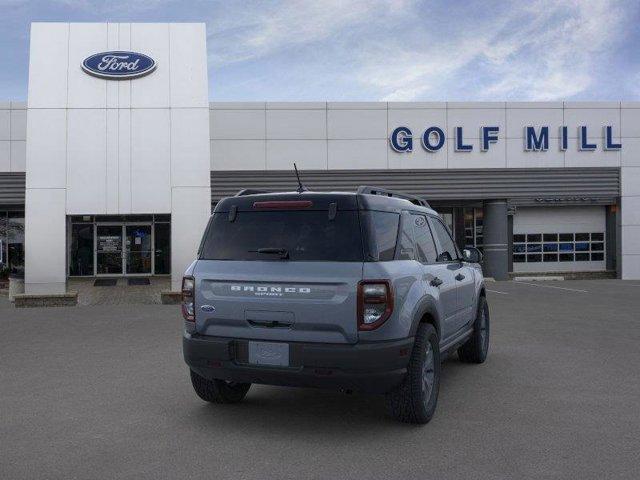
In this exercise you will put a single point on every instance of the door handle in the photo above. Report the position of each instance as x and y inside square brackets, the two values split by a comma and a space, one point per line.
[436, 282]
[459, 277]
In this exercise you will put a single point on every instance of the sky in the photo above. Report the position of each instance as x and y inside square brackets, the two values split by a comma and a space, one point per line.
[377, 50]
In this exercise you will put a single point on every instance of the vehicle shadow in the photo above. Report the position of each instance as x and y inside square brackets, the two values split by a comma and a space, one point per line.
[298, 411]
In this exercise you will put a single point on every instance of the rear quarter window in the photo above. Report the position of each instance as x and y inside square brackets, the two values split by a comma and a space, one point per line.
[381, 233]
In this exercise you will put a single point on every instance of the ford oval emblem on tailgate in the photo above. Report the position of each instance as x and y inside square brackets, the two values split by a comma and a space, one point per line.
[207, 308]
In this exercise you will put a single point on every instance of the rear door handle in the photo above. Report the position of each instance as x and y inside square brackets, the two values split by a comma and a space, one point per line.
[436, 282]
[459, 277]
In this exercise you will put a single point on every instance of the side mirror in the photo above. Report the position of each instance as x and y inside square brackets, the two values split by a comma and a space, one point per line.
[472, 255]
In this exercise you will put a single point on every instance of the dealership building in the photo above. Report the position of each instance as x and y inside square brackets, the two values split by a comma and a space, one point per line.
[113, 164]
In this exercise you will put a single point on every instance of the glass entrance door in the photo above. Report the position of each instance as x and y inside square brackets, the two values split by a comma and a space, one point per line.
[139, 250]
[109, 249]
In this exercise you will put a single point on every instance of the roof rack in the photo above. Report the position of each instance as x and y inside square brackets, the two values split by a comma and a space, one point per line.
[249, 191]
[365, 189]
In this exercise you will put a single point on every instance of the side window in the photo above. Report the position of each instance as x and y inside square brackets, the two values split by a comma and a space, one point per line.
[406, 251]
[426, 248]
[447, 251]
[385, 233]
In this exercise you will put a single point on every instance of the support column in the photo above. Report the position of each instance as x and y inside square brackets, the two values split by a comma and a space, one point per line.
[496, 254]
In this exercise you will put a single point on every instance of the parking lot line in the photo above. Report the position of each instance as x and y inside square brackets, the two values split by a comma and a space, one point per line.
[496, 291]
[551, 286]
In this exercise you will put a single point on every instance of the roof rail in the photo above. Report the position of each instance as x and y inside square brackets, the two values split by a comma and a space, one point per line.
[368, 190]
[249, 191]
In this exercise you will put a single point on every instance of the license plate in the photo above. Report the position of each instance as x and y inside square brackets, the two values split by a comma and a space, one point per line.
[269, 353]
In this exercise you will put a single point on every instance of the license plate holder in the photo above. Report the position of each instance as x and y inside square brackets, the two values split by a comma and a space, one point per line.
[275, 354]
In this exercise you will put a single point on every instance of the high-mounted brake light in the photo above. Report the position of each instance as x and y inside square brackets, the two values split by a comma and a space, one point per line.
[375, 303]
[188, 299]
[283, 204]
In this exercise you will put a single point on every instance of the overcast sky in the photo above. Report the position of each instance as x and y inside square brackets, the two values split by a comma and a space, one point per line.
[377, 49]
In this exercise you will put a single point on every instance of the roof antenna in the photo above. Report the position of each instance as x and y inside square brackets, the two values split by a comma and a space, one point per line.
[301, 188]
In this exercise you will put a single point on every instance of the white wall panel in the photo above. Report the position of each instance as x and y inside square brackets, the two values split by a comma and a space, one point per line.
[150, 161]
[357, 124]
[238, 124]
[630, 181]
[191, 208]
[190, 164]
[47, 148]
[124, 86]
[111, 162]
[598, 158]
[86, 91]
[472, 119]
[188, 72]
[18, 124]
[418, 120]
[5, 124]
[296, 124]
[631, 239]
[113, 43]
[630, 120]
[86, 161]
[357, 154]
[151, 91]
[630, 211]
[124, 161]
[5, 156]
[307, 154]
[45, 241]
[238, 155]
[630, 153]
[48, 62]
[18, 156]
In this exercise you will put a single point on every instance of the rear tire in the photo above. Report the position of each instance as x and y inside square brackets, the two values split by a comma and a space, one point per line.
[218, 391]
[477, 347]
[415, 399]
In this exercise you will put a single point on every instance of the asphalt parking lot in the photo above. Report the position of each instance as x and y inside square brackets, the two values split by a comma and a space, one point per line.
[102, 392]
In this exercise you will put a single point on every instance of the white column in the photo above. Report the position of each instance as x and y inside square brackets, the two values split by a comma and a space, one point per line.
[630, 191]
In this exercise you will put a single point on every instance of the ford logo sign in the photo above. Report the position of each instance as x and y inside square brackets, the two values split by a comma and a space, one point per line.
[118, 65]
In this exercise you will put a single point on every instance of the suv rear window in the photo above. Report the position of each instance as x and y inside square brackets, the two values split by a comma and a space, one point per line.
[305, 235]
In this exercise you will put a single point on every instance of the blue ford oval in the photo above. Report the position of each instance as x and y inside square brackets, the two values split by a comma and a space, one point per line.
[118, 65]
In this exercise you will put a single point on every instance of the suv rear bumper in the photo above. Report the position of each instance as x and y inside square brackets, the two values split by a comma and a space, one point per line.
[365, 367]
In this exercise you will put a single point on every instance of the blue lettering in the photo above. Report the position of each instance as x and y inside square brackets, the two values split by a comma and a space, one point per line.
[460, 146]
[608, 143]
[401, 140]
[564, 138]
[489, 135]
[535, 142]
[426, 139]
[584, 145]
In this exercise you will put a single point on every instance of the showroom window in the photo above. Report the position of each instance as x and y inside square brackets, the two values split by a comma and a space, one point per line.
[11, 242]
[473, 227]
[558, 247]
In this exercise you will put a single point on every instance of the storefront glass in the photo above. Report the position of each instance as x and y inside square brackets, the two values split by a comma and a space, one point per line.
[11, 242]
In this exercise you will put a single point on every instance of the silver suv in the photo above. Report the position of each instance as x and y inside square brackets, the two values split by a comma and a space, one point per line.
[362, 291]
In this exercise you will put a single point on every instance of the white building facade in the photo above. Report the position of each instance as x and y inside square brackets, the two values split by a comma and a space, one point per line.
[118, 176]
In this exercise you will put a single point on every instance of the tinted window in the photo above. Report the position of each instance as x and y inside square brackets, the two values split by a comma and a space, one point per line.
[305, 235]
[405, 242]
[424, 241]
[383, 228]
[447, 247]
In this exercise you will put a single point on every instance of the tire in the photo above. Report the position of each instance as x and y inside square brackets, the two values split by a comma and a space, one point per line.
[475, 350]
[218, 391]
[415, 399]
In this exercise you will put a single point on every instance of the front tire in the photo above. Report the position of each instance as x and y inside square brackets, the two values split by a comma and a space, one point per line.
[415, 399]
[476, 348]
[218, 391]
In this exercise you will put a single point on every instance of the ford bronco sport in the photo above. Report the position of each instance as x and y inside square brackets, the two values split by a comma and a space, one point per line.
[362, 291]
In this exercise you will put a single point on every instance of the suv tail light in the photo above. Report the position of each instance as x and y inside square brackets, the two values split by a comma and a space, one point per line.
[375, 303]
[188, 294]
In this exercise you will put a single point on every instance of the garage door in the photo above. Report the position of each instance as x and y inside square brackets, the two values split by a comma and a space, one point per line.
[559, 239]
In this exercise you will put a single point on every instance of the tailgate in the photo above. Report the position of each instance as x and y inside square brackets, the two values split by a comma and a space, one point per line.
[278, 300]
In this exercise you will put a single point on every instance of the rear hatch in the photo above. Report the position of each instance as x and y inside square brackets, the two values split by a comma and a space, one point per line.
[276, 270]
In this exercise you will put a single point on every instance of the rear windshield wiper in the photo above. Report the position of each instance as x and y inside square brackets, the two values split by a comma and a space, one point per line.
[283, 252]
